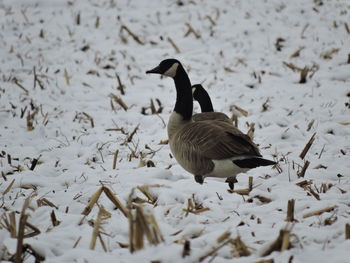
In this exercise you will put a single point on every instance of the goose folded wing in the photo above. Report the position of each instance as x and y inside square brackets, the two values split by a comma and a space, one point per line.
[217, 140]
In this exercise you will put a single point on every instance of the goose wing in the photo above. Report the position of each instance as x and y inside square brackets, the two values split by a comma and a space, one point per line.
[216, 140]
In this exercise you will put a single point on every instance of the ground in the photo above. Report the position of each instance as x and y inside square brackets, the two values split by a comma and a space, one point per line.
[79, 117]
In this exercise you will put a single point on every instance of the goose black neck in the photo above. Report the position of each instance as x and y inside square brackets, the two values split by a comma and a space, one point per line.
[184, 100]
[204, 100]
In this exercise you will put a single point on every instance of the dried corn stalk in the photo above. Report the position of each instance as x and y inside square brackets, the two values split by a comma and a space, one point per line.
[143, 225]
[281, 243]
[110, 196]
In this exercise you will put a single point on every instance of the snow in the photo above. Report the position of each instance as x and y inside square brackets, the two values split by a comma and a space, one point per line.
[237, 60]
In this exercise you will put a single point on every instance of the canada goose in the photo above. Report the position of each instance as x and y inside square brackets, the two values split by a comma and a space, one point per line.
[203, 98]
[208, 148]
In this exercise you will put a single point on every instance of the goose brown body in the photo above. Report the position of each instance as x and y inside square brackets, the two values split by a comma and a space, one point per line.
[196, 149]
[215, 116]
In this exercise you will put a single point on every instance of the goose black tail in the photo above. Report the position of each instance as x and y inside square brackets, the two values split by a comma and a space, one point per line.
[253, 162]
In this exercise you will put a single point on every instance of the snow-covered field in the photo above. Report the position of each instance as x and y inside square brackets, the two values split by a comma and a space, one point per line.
[65, 118]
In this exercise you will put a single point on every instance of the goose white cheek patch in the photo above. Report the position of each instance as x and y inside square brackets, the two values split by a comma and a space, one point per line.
[171, 72]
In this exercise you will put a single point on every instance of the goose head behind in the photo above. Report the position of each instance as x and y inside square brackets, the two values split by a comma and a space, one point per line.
[202, 96]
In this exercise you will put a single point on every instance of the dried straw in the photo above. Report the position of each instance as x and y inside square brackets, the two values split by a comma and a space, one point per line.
[307, 146]
[290, 210]
[319, 212]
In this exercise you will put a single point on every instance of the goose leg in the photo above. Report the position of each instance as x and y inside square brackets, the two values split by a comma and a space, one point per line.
[199, 179]
[231, 181]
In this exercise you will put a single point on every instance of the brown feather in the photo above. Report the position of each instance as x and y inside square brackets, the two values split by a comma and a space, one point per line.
[228, 141]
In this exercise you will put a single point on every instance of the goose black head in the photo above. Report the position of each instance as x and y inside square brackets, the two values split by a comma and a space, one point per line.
[167, 67]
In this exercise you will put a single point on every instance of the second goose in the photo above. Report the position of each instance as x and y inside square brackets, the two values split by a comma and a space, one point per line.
[208, 113]
[208, 148]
